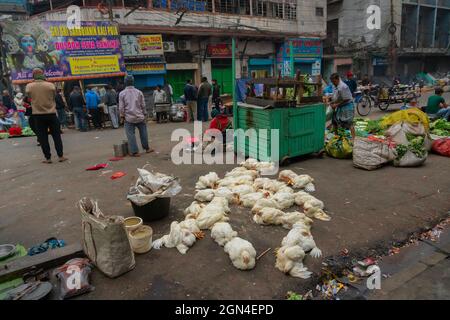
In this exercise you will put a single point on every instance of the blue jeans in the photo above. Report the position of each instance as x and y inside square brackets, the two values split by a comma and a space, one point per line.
[80, 115]
[444, 113]
[130, 129]
[23, 120]
[202, 109]
[62, 117]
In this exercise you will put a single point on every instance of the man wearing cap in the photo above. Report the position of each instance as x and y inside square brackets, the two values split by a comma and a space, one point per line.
[351, 83]
[132, 110]
[42, 94]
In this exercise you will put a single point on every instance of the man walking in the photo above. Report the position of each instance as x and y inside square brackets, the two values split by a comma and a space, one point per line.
[42, 95]
[132, 110]
[204, 91]
[92, 101]
[77, 106]
[190, 94]
[111, 104]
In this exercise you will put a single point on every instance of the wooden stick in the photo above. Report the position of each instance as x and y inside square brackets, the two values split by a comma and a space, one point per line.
[262, 254]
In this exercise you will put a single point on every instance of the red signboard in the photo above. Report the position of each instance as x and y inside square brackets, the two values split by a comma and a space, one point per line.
[221, 50]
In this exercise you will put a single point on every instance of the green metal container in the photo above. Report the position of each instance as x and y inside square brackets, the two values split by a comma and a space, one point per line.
[301, 131]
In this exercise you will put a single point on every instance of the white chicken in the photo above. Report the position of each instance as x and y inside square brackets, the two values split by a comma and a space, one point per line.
[193, 210]
[212, 213]
[242, 253]
[259, 183]
[268, 216]
[205, 195]
[248, 200]
[284, 200]
[224, 192]
[230, 182]
[240, 190]
[264, 203]
[302, 181]
[221, 201]
[241, 171]
[207, 181]
[290, 261]
[287, 176]
[312, 206]
[300, 235]
[178, 237]
[291, 218]
[273, 185]
[222, 233]
[253, 164]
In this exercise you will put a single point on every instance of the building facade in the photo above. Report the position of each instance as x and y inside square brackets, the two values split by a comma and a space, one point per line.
[197, 35]
[413, 37]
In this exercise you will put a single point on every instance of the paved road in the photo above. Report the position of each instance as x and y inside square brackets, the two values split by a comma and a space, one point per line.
[368, 209]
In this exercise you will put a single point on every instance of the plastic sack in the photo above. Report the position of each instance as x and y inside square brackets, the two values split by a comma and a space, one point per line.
[398, 133]
[339, 147]
[412, 115]
[410, 160]
[105, 241]
[329, 113]
[371, 154]
[442, 147]
[150, 186]
[73, 278]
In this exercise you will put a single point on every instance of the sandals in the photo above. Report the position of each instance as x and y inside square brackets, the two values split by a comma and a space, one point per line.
[149, 150]
[47, 161]
[62, 159]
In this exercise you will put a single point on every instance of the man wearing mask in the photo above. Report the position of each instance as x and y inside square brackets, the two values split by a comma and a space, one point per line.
[42, 94]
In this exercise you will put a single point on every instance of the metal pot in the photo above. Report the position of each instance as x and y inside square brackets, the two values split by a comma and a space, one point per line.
[125, 147]
[118, 150]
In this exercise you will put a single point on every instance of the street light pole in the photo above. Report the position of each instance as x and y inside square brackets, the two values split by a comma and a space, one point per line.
[233, 75]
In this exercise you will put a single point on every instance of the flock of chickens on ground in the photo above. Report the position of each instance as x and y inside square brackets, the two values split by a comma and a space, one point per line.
[267, 198]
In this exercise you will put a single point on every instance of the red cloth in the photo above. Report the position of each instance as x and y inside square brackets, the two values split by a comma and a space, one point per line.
[442, 147]
[118, 175]
[15, 131]
[220, 123]
[97, 167]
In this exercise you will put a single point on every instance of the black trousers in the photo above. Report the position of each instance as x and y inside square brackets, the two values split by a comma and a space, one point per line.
[96, 117]
[32, 123]
[46, 123]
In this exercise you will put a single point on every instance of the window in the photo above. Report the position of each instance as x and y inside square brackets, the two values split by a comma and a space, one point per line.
[277, 10]
[319, 11]
[290, 10]
[259, 8]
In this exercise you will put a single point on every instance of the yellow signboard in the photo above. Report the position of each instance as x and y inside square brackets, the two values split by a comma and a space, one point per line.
[94, 64]
[146, 68]
[142, 45]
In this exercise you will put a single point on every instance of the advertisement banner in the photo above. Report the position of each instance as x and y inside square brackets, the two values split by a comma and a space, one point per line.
[145, 68]
[220, 50]
[91, 51]
[142, 45]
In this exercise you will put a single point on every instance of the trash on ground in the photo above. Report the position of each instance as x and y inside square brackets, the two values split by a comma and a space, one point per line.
[117, 175]
[97, 167]
[64, 274]
[51, 243]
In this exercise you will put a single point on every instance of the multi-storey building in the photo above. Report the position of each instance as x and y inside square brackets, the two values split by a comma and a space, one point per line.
[413, 36]
[197, 34]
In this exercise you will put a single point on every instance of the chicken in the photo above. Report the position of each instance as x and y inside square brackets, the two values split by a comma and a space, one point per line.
[241, 190]
[269, 216]
[314, 211]
[284, 200]
[286, 189]
[221, 201]
[259, 183]
[224, 192]
[207, 181]
[253, 164]
[287, 176]
[230, 182]
[248, 200]
[300, 235]
[212, 213]
[291, 218]
[193, 210]
[178, 237]
[264, 203]
[205, 195]
[273, 185]
[241, 171]
[290, 261]
[242, 253]
[222, 233]
[301, 181]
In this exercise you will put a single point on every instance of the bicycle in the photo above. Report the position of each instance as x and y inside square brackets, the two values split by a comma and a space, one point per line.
[365, 99]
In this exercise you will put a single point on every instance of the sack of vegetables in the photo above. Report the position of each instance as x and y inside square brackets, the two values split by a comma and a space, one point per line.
[339, 146]
[411, 155]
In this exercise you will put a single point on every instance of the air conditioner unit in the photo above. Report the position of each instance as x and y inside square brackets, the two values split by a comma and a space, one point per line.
[169, 46]
[184, 45]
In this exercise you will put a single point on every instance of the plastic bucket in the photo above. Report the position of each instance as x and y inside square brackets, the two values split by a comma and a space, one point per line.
[141, 239]
[132, 223]
[154, 210]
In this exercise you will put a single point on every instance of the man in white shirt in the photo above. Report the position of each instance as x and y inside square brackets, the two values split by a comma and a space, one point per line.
[159, 96]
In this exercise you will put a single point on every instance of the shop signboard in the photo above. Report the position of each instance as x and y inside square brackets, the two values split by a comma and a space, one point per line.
[219, 50]
[91, 51]
[305, 50]
[143, 45]
[145, 68]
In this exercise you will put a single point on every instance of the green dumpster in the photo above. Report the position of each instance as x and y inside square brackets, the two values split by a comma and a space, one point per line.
[301, 131]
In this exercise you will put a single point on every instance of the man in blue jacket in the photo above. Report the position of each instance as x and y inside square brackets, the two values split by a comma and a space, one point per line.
[92, 101]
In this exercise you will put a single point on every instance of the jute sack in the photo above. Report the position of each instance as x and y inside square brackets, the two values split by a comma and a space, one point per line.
[371, 155]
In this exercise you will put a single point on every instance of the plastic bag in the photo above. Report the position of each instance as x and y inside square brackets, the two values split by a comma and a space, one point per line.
[329, 113]
[73, 278]
[442, 147]
[339, 147]
[412, 115]
[371, 154]
[410, 160]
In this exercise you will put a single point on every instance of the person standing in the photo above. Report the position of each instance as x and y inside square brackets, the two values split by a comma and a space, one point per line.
[61, 109]
[215, 94]
[351, 83]
[20, 106]
[92, 101]
[42, 94]
[190, 95]
[159, 96]
[134, 113]
[342, 104]
[111, 104]
[77, 106]
[204, 91]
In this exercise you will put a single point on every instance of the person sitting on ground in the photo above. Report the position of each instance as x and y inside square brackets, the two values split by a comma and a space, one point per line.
[5, 123]
[219, 122]
[436, 105]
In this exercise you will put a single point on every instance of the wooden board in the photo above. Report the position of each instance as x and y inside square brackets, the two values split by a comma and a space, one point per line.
[47, 260]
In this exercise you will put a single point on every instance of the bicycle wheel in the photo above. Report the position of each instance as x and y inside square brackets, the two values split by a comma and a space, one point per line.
[363, 107]
[411, 97]
[383, 105]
